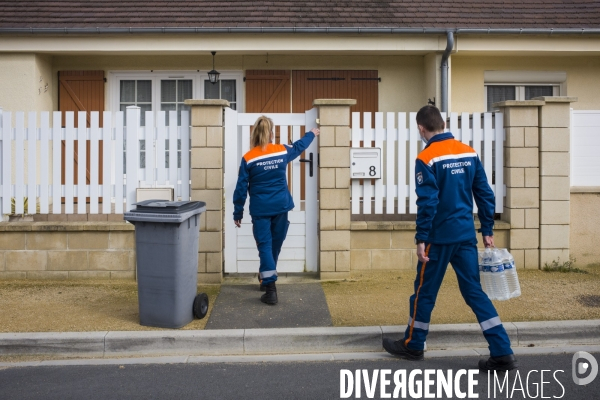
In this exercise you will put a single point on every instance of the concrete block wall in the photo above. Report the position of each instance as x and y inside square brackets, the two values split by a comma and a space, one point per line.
[67, 250]
[334, 187]
[387, 245]
[207, 184]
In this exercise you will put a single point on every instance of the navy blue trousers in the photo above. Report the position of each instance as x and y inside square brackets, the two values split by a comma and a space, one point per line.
[463, 257]
[269, 233]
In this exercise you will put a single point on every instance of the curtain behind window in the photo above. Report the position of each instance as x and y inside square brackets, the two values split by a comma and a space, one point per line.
[537, 91]
[499, 93]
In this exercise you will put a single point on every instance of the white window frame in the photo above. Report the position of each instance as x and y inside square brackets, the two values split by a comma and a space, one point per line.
[197, 77]
[520, 79]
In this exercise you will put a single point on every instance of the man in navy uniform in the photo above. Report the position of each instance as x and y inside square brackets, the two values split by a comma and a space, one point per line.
[448, 175]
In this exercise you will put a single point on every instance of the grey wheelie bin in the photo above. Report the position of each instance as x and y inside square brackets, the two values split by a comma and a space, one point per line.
[166, 238]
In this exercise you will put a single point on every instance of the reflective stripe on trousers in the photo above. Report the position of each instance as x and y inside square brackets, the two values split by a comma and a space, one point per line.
[463, 257]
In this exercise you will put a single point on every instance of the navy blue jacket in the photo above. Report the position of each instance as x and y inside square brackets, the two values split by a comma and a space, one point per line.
[262, 174]
[448, 175]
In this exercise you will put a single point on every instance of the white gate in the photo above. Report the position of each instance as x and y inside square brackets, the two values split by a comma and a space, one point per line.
[299, 251]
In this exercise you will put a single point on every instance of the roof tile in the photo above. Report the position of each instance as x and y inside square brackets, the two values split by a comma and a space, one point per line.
[335, 13]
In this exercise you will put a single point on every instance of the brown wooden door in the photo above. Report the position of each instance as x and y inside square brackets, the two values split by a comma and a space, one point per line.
[81, 91]
[359, 85]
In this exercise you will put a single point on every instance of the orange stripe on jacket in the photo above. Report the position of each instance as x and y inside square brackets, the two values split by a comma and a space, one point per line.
[259, 152]
[444, 148]
[414, 318]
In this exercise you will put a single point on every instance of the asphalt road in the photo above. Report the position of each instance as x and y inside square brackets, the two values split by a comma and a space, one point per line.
[292, 380]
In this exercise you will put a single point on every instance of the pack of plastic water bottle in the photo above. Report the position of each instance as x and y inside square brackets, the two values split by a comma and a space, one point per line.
[498, 274]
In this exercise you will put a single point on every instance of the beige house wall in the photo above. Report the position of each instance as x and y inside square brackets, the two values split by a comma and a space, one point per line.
[46, 82]
[585, 228]
[467, 77]
[18, 74]
[431, 69]
[24, 78]
[402, 77]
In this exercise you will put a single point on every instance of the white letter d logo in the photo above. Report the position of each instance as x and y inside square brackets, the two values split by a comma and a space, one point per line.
[583, 368]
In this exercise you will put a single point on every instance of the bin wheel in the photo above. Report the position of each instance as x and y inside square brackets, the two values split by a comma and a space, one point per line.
[200, 305]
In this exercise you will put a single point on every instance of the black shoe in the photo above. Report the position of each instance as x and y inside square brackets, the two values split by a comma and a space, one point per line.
[270, 296]
[398, 348]
[504, 363]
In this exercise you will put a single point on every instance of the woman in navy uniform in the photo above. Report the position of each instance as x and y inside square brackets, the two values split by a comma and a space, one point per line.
[262, 175]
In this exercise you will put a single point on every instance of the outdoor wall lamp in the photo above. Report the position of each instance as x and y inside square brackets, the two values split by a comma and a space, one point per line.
[213, 76]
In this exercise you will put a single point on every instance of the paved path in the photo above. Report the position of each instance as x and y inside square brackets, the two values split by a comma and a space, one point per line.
[316, 379]
[300, 305]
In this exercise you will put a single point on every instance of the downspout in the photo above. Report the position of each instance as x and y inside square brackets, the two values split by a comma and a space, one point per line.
[444, 67]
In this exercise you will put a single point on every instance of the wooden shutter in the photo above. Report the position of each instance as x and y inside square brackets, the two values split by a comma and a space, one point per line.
[268, 91]
[81, 91]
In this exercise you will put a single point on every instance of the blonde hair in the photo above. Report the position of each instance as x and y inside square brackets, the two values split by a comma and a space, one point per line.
[261, 132]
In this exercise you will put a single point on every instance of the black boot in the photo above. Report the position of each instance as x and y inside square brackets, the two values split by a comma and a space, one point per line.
[270, 296]
[398, 348]
[504, 363]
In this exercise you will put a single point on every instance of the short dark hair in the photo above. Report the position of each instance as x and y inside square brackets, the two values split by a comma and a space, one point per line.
[429, 117]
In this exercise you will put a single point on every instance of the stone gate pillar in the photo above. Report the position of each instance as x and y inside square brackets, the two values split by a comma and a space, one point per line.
[537, 174]
[207, 183]
[522, 176]
[555, 181]
[334, 187]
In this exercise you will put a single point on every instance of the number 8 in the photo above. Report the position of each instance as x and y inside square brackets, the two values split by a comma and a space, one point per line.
[372, 171]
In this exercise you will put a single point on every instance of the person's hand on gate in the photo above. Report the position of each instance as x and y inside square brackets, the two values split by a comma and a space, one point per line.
[238, 222]
[316, 131]
[421, 253]
[488, 241]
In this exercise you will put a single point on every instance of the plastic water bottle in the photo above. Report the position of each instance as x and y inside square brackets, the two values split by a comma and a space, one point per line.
[511, 273]
[487, 282]
[498, 276]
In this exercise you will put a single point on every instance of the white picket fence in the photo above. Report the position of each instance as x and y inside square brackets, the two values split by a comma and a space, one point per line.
[31, 158]
[400, 145]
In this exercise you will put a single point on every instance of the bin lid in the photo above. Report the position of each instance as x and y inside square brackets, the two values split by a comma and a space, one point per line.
[164, 211]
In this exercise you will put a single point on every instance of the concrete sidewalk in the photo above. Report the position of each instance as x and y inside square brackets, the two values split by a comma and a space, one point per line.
[286, 340]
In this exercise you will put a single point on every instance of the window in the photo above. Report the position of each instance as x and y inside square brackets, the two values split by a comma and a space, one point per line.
[522, 85]
[167, 91]
[496, 93]
[173, 93]
[224, 89]
[136, 93]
